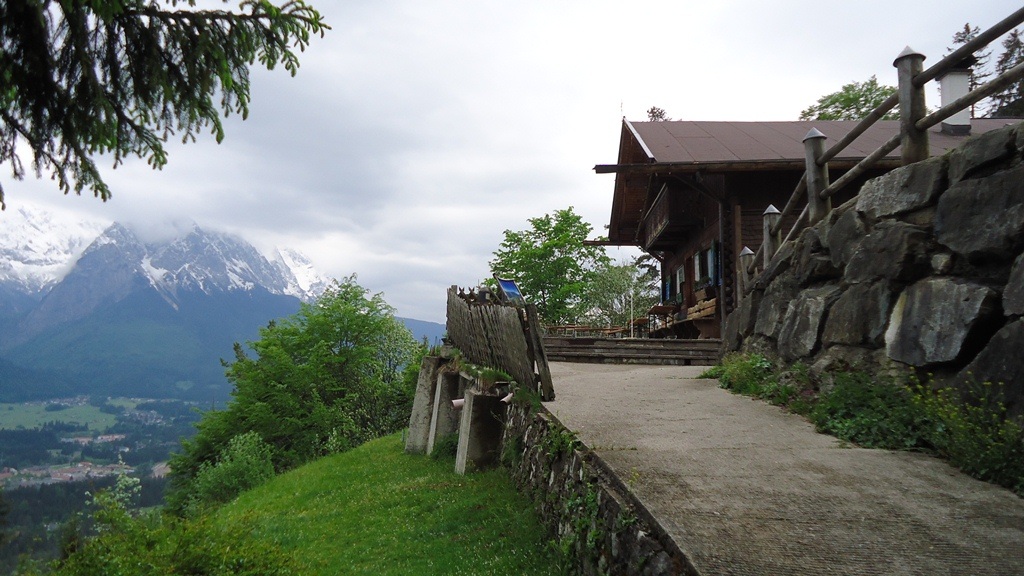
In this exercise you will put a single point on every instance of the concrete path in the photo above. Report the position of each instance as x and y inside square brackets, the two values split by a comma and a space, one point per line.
[744, 487]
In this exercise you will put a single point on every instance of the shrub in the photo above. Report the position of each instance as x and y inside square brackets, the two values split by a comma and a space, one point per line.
[446, 447]
[243, 465]
[973, 430]
[870, 414]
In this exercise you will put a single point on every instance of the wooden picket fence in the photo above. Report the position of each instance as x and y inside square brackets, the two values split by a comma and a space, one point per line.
[500, 336]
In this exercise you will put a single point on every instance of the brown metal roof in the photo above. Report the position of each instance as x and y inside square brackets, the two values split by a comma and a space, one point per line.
[722, 147]
[703, 142]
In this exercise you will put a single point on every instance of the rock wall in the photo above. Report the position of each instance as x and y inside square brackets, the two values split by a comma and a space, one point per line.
[923, 270]
[589, 512]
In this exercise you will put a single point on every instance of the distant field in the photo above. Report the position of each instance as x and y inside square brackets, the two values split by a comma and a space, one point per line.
[13, 416]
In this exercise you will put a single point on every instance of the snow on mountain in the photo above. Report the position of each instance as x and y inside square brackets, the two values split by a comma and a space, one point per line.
[308, 283]
[38, 247]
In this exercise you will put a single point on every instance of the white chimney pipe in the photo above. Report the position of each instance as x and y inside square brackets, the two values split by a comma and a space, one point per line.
[955, 84]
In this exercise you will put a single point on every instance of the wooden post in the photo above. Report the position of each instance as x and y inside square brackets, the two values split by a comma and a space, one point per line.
[540, 356]
[817, 177]
[746, 259]
[913, 142]
[771, 241]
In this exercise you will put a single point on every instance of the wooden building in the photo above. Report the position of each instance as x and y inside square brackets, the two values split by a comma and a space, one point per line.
[692, 194]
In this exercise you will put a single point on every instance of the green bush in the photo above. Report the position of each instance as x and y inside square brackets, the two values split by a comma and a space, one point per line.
[973, 430]
[869, 414]
[243, 465]
[126, 544]
[446, 447]
[325, 379]
[970, 428]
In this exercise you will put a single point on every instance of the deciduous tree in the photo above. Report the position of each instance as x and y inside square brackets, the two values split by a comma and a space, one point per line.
[83, 79]
[853, 102]
[619, 292]
[551, 263]
[323, 380]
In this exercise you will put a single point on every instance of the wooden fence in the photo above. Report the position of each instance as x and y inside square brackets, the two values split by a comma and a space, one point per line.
[814, 186]
[500, 336]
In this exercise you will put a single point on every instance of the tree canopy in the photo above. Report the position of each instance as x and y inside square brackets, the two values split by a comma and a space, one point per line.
[619, 292]
[323, 380]
[551, 264]
[119, 77]
[1010, 102]
[853, 102]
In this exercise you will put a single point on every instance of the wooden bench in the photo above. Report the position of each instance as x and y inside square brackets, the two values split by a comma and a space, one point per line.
[704, 314]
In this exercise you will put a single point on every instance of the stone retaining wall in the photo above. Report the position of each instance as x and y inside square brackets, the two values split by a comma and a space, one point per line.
[923, 270]
[601, 526]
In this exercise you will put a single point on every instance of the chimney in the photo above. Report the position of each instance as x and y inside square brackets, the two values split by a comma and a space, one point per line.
[953, 85]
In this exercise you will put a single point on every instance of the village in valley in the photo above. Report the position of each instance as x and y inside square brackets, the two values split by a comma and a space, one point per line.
[80, 438]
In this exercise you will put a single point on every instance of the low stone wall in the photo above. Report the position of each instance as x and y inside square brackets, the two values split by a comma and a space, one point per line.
[923, 270]
[594, 517]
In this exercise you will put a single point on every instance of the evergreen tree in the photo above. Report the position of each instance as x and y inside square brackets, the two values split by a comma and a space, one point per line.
[655, 114]
[980, 72]
[82, 79]
[1010, 102]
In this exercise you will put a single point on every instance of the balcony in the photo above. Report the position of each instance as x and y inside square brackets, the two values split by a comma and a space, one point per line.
[668, 223]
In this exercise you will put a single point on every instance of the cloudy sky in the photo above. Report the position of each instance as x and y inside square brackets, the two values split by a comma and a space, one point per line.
[417, 131]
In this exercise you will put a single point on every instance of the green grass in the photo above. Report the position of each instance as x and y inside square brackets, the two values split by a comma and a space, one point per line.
[376, 510]
[35, 415]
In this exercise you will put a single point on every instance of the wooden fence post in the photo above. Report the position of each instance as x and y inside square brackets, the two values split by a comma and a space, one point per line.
[913, 142]
[746, 259]
[771, 241]
[817, 177]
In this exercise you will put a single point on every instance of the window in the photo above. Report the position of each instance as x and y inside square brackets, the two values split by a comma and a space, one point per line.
[705, 268]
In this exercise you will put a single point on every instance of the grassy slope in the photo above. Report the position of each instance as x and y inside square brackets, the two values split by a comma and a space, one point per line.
[376, 510]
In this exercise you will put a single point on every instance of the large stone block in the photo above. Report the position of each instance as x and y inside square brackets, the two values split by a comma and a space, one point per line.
[483, 418]
[937, 320]
[811, 261]
[860, 315]
[444, 417]
[844, 237]
[903, 190]
[894, 251]
[1013, 294]
[740, 323]
[422, 406]
[799, 335]
[983, 218]
[1000, 361]
[779, 264]
[774, 304]
[981, 152]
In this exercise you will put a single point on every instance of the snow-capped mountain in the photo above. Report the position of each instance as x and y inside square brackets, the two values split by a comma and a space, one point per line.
[39, 248]
[95, 308]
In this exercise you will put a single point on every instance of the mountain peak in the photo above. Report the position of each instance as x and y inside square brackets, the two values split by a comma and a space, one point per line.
[39, 249]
